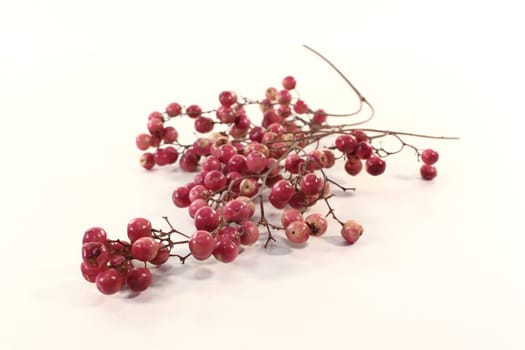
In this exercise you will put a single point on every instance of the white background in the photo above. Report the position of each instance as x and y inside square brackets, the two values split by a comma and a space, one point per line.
[440, 265]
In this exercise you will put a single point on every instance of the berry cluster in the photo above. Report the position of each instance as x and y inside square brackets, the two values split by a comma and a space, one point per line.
[241, 169]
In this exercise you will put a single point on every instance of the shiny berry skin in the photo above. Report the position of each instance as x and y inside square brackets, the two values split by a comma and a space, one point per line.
[225, 250]
[227, 98]
[193, 111]
[95, 234]
[428, 172]
[249, 233]
[289, 83]
[215, 180]
[330, 158]
[109, 281]
[297, 232]
[206, 219]
[311, 184]
[284, 111]
[276, 202]
[319, 116]
[203, 124]
[180, 197]
[282, 191]
[360, 135]
[300, 107]
[351, 231]
[346, 143]
[256, 133]
[162, 256]
[195, 206]
[201, 245]
[292, 163]
[290, 215]
[156, 115]
[225, 115]
[138, 279]
[248, 187]
[284, 97]
[226, 152]
[229, 233]
[429, 156]
[237, 163]
[145, 249]
[189, 160]
[364, 150]
[95, 254]
[147, 160]
[155, 126]
[317, 224]
[198, 191]
[90, 272]
[170, 134]
[353, 165]
[137, 228]
[256, 162]
[235, 210]
[316, 160]
[143, 141]
[375, 166]
[173, 109]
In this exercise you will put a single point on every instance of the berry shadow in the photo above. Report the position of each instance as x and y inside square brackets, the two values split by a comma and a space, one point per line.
[335, 240]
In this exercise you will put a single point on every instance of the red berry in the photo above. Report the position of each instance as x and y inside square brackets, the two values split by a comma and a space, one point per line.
[193, 111]
[364, 150]
[155, 126]
[256, 162]
[189, 160]
[353, 165]
[319, 116]
[351, 231]
[215, 180]
[297, 232]
[225, 250]
[195, 206]
[317, 224]
[145, 249]
[109, 281]
[203, 124]
[282, 191]
[170, 134]
[429, 156]
[137, 228]
[235, 210]
[346, 143]
[206, 219]
[95, 254]
[227, 98]
[162, 256]
[284, 97]
[138, 279]
[180, 197]
[290, 215]
[147, 160]
[311, 184]
[143, 141]
[375, 166]
[428, 172]
[201, 245]
[173, 109]
[300, 107]
[360, 135]
[90, 272]
[95, 234]
[289, 83]
[249, 233]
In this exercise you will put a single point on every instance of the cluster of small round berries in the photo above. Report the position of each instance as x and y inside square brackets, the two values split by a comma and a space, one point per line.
[240, 169]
